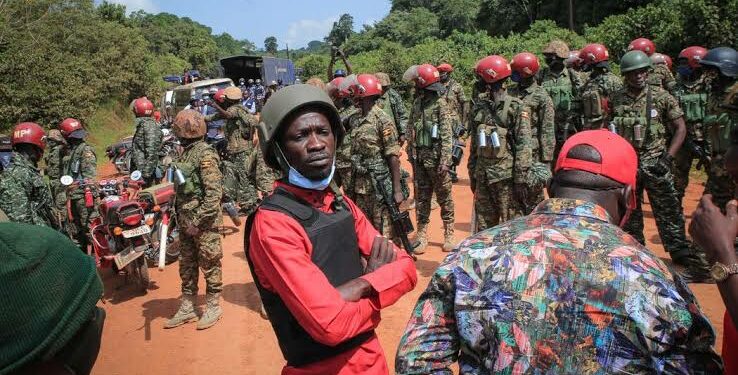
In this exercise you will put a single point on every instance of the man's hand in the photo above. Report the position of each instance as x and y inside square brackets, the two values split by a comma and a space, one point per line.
[192, 230]
[354, 290]
[442, 170]
[399, 197]
[382, 253]
[714, 232]
[520, 193]
[402, 140]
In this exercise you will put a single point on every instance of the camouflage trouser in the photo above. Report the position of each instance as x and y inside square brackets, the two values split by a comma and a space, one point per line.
[494, 203]
[564, 130]
[377, 213]
[237, 182]
[202, 252]
[428, 181]
[59, 202]
[682, 165]
[719, 184]
[666, 210]
[81, 223]
[263, 176]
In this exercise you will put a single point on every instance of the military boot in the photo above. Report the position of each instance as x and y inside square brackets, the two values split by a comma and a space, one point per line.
[421, 239]
[185, 314]
[448, 237]
[212, 311]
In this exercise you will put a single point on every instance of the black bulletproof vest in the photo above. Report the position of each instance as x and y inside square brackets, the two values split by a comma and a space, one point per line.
[335, 252]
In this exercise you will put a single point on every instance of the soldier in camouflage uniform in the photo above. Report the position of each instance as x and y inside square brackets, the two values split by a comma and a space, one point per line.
[391, 102]
[457, 98]
[55, 149]
[24, 196]
[197, 203]
[691, 90]
[501, 150]
[640, 113]
[349, 115]
[239, 133]
[80, 163]
[562, 84]
[432, 120]
[378, 156]
[525, 66]
[599, 87]
[721, 119]
[146, 142]
[660, 74]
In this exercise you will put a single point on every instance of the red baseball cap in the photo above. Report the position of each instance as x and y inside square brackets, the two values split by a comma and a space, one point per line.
[619, 161]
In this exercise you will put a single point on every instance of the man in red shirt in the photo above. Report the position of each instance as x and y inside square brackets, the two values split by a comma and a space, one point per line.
[322, 270]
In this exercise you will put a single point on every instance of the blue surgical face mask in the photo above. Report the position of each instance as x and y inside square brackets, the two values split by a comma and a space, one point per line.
[515, 77]
[296, 178]
[684, 71]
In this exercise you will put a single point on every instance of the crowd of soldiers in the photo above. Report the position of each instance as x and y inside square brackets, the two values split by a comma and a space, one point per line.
[519, 116]
[518, 119]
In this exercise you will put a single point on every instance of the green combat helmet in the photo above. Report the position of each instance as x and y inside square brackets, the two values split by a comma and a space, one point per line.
[281, 106]
[634, 60]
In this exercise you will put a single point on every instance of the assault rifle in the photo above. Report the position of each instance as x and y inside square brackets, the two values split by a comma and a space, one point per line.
[699, 151]
[457, 151]
[401, 224]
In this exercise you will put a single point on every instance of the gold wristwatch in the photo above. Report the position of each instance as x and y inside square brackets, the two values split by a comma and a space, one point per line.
[721, 272]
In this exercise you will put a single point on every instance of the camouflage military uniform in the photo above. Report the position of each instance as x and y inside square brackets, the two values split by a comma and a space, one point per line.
[563, 88]
[24, 196]
[263, 176]
[391, 103]
[720, 120]
[692, 96]
[430, 153]
[80, 162]
[598, 88]
[495, 170]
[238, 182]
[55, 149]
[661, 76]
[349, 116]
[377, 136]
[197, 203]
[629, 112]
[145, 148]
[456, 98]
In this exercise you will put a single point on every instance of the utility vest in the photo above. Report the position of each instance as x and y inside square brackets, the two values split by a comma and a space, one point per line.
[721, 120]
[632, 122]
[495, 131]
[427, 125]
[335, 253]
[188, 165]
[561, 91]
[694, 106]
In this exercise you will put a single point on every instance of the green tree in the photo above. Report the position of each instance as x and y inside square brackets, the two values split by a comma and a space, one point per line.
[270, 45]
[229, 46]
[341, 31]
[112, 12]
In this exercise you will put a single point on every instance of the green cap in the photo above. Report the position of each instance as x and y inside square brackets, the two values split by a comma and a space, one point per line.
[634, 60]
[281, 105]
[48, 289]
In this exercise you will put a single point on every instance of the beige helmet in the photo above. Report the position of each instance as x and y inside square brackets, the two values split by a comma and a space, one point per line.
[233, 93]
[55, 135]
[281, 106]
[558, 48]
[383, 79]
[317, 82]
[190, 124]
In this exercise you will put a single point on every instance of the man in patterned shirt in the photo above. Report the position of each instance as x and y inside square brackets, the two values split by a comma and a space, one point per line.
[563, 290]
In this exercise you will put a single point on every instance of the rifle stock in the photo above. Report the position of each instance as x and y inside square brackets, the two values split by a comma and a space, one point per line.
[401, 224]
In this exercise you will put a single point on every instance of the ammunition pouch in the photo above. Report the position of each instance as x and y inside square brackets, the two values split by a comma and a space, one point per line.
[694, 107]
[719, 128]
[592, 106]
[192, 179]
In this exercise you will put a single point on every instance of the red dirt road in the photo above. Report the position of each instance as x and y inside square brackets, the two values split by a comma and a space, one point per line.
[134, 341]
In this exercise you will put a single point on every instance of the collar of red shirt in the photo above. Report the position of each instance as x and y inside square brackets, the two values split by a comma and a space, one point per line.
[316, 198]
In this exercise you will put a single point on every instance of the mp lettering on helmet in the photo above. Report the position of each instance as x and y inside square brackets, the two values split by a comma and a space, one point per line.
[21, 133]
[491, 72]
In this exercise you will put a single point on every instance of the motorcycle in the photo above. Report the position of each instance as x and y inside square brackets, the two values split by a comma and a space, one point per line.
[120, 154]
[121, 233]
[158, 204]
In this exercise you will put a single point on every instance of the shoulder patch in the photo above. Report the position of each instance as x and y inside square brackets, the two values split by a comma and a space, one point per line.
[524, 114]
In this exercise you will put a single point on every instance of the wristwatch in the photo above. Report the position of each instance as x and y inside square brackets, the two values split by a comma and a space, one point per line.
[721, 272]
